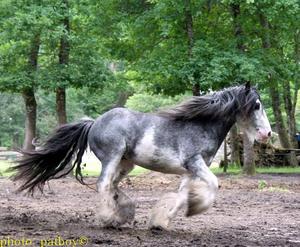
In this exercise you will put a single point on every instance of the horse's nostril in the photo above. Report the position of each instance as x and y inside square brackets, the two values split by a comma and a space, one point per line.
[270, 133]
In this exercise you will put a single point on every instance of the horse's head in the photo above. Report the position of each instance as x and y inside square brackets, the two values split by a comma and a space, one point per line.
[252, 118]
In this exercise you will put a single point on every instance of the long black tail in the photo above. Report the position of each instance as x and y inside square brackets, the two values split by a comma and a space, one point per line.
[50, 160]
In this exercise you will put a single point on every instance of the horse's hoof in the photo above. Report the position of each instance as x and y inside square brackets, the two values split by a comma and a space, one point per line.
[157, 229]
[111, 227]
[159, 225]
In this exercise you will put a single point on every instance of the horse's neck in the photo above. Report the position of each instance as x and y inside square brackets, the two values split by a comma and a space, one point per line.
[222, 127]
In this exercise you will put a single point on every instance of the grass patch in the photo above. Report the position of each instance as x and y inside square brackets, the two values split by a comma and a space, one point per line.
[138, 171]
[264, 186]
[234, 170]
[4, 165]
[93, 169]
[277, 189]
[284, 170]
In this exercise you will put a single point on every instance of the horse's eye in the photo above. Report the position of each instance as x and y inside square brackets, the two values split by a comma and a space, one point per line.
[257, 106]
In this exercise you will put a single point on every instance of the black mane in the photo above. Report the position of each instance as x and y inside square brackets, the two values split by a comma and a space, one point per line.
[219, 105]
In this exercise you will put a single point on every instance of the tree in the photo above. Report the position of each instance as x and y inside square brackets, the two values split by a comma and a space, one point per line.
[286, 138]
[28, 94]
[248, 149]
[159, 47]
[63, 59]
[237, 30]
[190, 37]
[274, 89]
[39, 31]
[74, 54]
[20, 51]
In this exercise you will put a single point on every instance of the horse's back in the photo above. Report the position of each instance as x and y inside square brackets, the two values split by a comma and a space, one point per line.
[119, 125]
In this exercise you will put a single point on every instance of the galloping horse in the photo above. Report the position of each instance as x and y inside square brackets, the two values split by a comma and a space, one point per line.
[182, 140]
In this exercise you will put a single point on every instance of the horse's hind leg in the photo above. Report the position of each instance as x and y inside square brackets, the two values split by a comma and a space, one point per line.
[115, 208]
[123, 169]
[126, 207]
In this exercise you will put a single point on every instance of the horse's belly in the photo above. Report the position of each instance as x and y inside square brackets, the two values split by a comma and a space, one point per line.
[161, 164]
[156, 158]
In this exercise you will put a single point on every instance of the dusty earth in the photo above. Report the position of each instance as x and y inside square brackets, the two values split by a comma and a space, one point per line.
[259, 211]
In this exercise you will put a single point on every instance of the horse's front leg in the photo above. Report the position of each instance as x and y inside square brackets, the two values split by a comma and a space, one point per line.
[196, 194]
[168, 206]
[202, 188]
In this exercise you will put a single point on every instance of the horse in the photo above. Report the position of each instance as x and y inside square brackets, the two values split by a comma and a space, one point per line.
[182, 140]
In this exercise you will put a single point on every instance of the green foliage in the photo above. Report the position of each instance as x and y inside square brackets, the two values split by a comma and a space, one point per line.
[25, 19]
[151, 103]
[11, 120]
[143, 47]
[154, 41]
[47, 121]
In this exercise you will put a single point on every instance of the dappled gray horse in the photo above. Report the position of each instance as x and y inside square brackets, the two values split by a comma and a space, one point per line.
[182, 140]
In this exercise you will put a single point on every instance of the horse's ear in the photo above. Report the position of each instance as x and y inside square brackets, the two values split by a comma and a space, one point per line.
[247, 87]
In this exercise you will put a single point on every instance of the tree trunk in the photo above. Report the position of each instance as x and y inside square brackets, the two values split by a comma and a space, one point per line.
[61, 106]
[238, 30]
[29, 97]
[122, 99]
[291, 120]
[190, 39]
[297, 71]
[290, 95]
[63, 57]
[30, 119]
[15, 141]
[297, 62]
[280, 128]
[196, 89]
[249, 156]
[235, 157]
[189, 26]
[235, 147]
[283, 136]
[275, 96]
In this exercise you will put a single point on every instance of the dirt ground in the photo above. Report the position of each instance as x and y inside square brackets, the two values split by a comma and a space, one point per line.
[259, 211]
